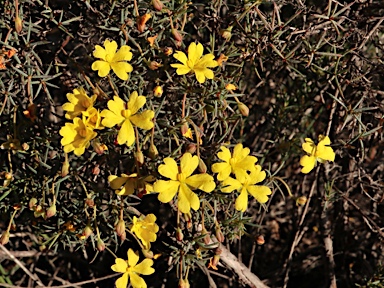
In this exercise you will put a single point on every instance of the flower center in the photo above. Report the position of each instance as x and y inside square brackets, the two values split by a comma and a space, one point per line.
[83, 133]
[232, 162]
[85, 103]
[190, 64]
[93, 119]
[181, 177]
[126, 113]
[108, 58]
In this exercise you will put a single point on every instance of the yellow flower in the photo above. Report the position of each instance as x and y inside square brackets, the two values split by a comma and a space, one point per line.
[130, 183]
[79, 102]
[195, 62]
[145, 229]
[76, 136]
[110, 59]
[182, 182]
[320, 153]
[237, 163]
[132, 270]
[92, 118]
[245, 183]
[125, 115]
[230, 87]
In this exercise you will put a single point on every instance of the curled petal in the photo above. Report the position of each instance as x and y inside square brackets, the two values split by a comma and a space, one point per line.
[116, 182]
[181, 69]
[230, 184]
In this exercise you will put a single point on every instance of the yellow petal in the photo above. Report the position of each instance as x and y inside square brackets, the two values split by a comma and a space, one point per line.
[208, 73]
[224, 170]
[133, 258]
[181, 69]
[110, 118]
[260, 193]
[116, 105]
[116, 182]
[120, 265]
[124, 54]
[200, 76]
[126, 134]
[143, 120]
[110, 47]
[188, 164]
[99, 52]
[166, 189]
[187, 199]
[195, 52]
[122, 282]
[137, 281]
[169, 169]
[204, 182]
[144, 267]
[181, 57]
[230, 184]
[242, 201]
[309, 146]
[225, 154]
[257, 175]
[122, 69]
[308, 162]
[102, 66]
[135, 102]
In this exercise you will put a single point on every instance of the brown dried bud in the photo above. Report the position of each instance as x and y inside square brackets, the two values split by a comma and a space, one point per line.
[226, 33]
[183, 283]
[32, 203]
[152, 152]
[147, 253]
[244, 110]
[100, 245]
[51, 211]
[139, 157]
[154, 65]
[207, 237]
[120, 227]
[176, 34]
[202, 167]
[157, 4]
[219, 234]
[184, 128]
[168, 51]
[87, 231]
[191, 148]
[90, 202]
[179, 235]
[141, 21]
[4, 239]
[96, 170]
[98, 147]
[260, 240]
[18, 24]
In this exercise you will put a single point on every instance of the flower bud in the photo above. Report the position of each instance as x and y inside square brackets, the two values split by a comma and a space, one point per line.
[158, 91]
[168, 51]
[140, 157]
[153, 153]
[154, 65]
[176, 34]
[90, 202]
[191, 148]
[202, 167]
[157, 4]
[123, 236]
[18, 24]
[96, 170]
[219, 234]
[179, 235]
[100, 245]
[8, 176]
[4, 239]
[32, 203]
[244, 110]
[260, 240]
[98, 147]
[51, 211]
[141, 21]
[301, 200]
[222, 58]
[184, 129]
[87, 231]
[226, 33]
[183, 283]
[65, 167]
[147, 253]
[207, 238]
[120, 227]
[214, 261]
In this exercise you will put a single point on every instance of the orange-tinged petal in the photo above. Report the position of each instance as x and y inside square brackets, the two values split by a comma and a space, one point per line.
[308, 163]
[166, 189]
[135, 102]
[126, 134]
[169, 169]
[121, 69]
[124, 54]
[143, 120]
[187, 199]
[260, 193]
[204, 182]
[102, 66]
[120, 265]
[133, 258]
[144, 267]
[99, 52]
[122, 282]
[241, 203]
[188, 164]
